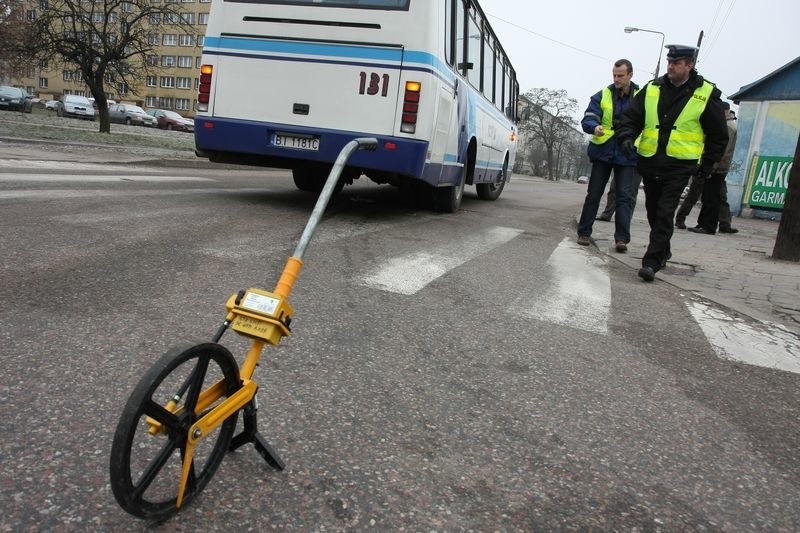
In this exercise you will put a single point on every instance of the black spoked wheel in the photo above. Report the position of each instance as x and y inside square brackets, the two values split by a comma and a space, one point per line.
[146, 461]
[491, 191]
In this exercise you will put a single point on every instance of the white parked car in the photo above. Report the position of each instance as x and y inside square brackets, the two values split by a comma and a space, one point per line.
[72, 105]
[583, 179]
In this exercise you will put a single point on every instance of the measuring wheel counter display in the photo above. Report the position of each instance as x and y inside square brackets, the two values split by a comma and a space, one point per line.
[260, 315]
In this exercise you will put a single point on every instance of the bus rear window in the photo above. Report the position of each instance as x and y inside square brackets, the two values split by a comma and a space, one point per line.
[396, 5]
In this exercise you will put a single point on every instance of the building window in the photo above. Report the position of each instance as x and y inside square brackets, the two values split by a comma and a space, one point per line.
[201, 39]
[185, 61]
[187, 18]
[167, 61]
[165, 102]
[171, 18]
[202, 19]
[43, 5]
[197, 61]
[153, 39]
[30, 15]
[123, 88]
[42, 63]
[152, 61]
[150, 101]
[152, 81]
[182, 104]
[196, 84]
[127, 7]
[43, 83]
[168, 82]
[155, 18]
[184, 83]
[170, 39]
[80, 93]
[31, 72]
[185, 40]
[68, 75]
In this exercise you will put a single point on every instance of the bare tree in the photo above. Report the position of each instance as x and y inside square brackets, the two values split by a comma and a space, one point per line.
[549, 120]
[14, 33]
[107, 41]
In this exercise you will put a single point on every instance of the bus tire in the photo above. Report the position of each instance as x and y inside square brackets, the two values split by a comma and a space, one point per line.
[304, 180]
[448, 199]
[492, 191]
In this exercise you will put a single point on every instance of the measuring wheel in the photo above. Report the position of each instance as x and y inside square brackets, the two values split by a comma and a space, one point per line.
[148, 472]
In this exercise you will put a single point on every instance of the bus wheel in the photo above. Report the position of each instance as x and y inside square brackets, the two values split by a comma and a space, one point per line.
[304, 180]
[491, 191]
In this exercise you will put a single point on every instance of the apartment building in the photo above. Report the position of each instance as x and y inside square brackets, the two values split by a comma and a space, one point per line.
[174, 64]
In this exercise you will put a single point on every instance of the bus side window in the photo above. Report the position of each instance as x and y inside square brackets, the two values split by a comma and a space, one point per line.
[461, 31]
[474, 39]
[449, 25]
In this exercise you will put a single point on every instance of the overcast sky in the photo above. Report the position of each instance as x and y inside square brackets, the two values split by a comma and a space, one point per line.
[744, 40]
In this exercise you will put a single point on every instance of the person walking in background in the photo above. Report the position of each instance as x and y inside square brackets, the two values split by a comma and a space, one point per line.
[719, 174]
[680, 119]
[600, 119]
[611, 197]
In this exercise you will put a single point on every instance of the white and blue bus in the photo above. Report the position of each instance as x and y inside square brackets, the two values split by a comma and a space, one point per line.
[287, 83]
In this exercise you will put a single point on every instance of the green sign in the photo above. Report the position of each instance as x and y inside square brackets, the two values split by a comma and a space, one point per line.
[768, 181]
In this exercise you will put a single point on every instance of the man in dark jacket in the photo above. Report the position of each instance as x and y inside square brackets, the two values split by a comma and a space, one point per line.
[678, 120]
[600, 119]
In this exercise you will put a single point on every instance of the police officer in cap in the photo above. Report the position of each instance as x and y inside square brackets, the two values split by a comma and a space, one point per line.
[683, 133]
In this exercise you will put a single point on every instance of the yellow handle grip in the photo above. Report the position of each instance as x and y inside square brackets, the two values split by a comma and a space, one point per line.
[288, 277]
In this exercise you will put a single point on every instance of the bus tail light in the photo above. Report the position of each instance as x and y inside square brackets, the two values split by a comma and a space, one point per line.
[410, 107]
[204, 89]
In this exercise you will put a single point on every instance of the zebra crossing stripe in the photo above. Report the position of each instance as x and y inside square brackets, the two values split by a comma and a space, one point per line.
[409, 273]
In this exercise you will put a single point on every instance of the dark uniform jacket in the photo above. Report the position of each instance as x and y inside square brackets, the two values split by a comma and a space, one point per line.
[670, 104]
[609, 151]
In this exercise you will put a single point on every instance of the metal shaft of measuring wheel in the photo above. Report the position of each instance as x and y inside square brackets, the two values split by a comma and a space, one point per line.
[327, 190]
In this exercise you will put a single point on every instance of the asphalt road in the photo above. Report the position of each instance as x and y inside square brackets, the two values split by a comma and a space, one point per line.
[459, 401]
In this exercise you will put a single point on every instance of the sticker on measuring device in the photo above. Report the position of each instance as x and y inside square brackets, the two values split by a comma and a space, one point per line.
[260, 303]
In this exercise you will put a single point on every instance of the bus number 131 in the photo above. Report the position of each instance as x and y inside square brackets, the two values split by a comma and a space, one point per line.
[374, 84]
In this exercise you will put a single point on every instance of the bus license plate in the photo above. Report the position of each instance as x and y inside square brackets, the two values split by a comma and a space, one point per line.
[298, 143]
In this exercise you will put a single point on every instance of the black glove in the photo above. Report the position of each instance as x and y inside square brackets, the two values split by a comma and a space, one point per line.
[702, 171]
[628, 148]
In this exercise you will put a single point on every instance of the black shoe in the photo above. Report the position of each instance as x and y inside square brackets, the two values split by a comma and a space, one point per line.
[680, 224]
[647, 273]
[664, 262]
[604, 219]
[728, 230]
[699, 229]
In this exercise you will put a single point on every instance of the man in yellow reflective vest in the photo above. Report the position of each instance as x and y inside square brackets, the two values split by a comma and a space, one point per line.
[681, 122]
[601, 117]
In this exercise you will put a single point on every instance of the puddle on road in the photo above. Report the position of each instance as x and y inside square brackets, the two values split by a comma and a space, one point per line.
[764, 344]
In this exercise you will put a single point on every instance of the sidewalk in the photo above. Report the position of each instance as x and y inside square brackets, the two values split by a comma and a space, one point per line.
[736, 270]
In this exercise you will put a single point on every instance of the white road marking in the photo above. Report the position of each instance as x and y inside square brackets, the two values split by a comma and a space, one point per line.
[410, 273]
[62, 165]
[62, 194]
[579, 295]
[81, 178]
[761, 343]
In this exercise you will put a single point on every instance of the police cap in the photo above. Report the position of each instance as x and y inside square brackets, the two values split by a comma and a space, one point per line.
[680, 51]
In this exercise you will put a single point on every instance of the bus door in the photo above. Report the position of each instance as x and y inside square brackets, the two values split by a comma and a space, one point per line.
[444, 144]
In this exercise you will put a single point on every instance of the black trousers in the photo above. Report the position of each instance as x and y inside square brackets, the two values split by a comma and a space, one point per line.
[709, 211]
[695, 190]
[662, 194]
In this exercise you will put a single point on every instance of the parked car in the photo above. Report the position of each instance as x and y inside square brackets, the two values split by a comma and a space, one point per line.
[15, 99]
[170, 120]
[72, 105]
[109, 103]
[583, 179]
[51, 105]
[131, 115]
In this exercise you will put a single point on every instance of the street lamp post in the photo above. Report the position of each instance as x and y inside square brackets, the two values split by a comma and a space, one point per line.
[630, 29]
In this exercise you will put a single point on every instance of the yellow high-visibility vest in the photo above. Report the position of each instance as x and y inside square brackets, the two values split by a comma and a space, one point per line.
[687, 139]
[607, 121]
